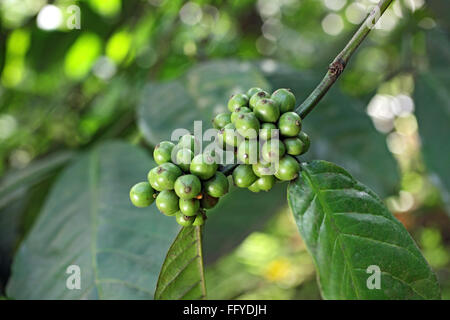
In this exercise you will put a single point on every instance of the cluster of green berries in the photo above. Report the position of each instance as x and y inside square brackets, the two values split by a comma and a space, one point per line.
[266, 136]
[183, 184]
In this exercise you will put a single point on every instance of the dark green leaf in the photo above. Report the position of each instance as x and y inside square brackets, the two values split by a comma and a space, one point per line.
[432, 100]
[182, 275]
[347, 228]
[89, 221]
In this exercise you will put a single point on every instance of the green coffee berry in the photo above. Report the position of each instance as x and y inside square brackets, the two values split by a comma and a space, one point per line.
[163, 152]
[256, 97]
[198, 221]
[237, 100]
[248, 151]
[265, 183]
[207, 201]
[221, 120]
[253, 91]
[189, 207]
[268, 131]
[163, 176]
[217, 186]
[247, 125]
[243, 176]
[273, 150]
[203, 166]
[267, 110]
[254, 187]
[184, 158]
[290, 124]
[188, 141]
[294, 146]
[236, 113]
[288, 168]
[285, 98]
[263, 169]
[141, 194]
[305, 139]
[229, 136]
[188, 186]
[167, 202]
[183, 220]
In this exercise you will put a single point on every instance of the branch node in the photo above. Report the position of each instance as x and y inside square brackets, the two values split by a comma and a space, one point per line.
[337, 67]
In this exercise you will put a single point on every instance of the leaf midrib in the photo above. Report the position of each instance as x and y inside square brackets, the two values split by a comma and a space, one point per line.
[328, 212]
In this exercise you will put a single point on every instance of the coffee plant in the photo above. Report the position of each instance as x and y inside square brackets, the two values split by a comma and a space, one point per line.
[144, 227]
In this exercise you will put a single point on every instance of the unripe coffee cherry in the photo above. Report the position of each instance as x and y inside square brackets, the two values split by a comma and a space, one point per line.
[188, 141]
[236, 113]
[285, 98]
[263, 169]
[184, 158]
[256, 97]
[203, 166]
[248, 151]
[253, 91]
[167, 202]
[288, 169]
[221, 120]
[199, 221]
[237, 101]
[265, 183]
[183, 220]
[188, 186]
[243, 176]
[163, 176]
[294, 146]
[273, 150]
[163, 152]
[268, 131]
[247, 125]
[229, 136]
[189, 207]
[141, 194]
[305, 139]
[208, 202]
[290, 124]
[254, 187]
[267, 110]
[217, 186]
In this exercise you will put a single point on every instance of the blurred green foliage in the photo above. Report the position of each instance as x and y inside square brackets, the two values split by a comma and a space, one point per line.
[67, 87]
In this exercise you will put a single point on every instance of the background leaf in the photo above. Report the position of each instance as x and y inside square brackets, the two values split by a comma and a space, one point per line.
[182, 275]
[89, 221]
[433, 113]
[200, 94]
[347, 228]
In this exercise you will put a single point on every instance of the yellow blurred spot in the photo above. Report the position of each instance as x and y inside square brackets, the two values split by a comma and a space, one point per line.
[278, 270]
[407, 125]
[107, 8]
[118, 46]
[190, 48]
[18, 42]
[13, 72]
[82, 55]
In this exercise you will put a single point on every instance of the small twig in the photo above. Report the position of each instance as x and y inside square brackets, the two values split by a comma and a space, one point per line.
[339, 63]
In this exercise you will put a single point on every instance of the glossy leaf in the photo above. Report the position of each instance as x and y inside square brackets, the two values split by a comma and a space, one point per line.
[88, 221]
[182, 275]
[348, 229]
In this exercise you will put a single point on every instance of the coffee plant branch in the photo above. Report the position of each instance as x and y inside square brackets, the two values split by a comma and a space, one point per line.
[339, 63]
[336, 67]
